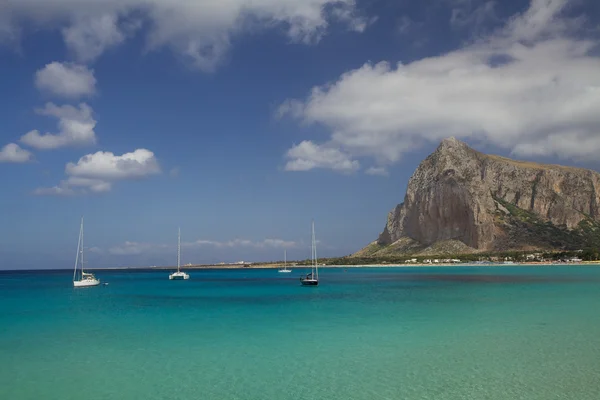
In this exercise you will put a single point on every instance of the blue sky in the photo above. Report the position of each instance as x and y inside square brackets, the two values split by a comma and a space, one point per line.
[242, 122]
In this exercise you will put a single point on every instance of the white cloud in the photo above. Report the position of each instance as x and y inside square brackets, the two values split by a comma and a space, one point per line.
[377, 171]
[75, 186]
[89, 36]
[96, 250]
[199, 30]
[76, 128]
[13, 153]
[346, 12]
[97, 172]
[95, 185]
[107, 166]
[278, 243]
[307, 156]
[8, 32]
[267, 243]
[136, 248]
[465, 16]
[530, 87]
[572, 144]
[543, 19]
[64, 79]
[59, 190]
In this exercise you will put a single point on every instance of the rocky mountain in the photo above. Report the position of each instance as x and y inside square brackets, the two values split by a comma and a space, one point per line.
[460, 200]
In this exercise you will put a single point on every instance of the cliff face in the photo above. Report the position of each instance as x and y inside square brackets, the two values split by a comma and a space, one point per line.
[493, 203]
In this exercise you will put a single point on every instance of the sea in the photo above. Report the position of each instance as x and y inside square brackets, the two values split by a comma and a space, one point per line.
[463, 332]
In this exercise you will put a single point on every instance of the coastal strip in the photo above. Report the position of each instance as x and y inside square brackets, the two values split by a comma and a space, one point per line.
[304, 266]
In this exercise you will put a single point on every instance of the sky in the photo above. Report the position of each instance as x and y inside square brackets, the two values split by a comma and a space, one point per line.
[240, 121]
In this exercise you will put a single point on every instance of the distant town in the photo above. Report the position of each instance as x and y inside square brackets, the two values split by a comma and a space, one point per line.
[573, 257]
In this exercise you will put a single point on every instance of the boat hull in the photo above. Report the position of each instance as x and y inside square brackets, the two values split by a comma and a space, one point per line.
[179, 276]
[86, 283]
[285, 270]
[310, 282]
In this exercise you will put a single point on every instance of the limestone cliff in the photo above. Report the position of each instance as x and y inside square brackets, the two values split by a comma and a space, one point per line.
[459, 199]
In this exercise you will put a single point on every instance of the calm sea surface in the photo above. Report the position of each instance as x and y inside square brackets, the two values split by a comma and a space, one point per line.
[365, 333]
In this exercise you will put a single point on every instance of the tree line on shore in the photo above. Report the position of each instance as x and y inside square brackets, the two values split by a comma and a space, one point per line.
[588, 254]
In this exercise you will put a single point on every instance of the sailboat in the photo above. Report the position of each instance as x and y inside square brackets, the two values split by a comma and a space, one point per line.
[179, 275]
[285, 263]
[312, 279]
[86, 279]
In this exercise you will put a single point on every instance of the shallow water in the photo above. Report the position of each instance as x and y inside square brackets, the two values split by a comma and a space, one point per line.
[365, 333]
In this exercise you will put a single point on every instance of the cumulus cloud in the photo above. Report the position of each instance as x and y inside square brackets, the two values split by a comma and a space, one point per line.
[200, 31]
[76, 128]
[346, 12]
[97, 172]
[307, 155]
[65, 79]
[13, 153]
[105, 165]
[532, 87]
[89, 36]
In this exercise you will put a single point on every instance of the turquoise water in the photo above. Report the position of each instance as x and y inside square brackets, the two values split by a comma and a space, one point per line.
[365, 333]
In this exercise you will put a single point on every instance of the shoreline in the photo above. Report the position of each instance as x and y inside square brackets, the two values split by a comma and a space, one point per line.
[304, 267]
[292, 267]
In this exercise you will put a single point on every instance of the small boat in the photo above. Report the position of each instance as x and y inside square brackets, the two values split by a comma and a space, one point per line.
[312, 279]
[86, 279]
[285, 263]
[179, 275]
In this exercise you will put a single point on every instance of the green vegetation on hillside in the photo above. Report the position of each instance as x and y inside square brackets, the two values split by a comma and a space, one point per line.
[529, 228]
[371, 249]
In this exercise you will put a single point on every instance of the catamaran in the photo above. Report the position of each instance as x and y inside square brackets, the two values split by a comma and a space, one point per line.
[179, 275]
[285, 263]
[86, 279]
[312, 279]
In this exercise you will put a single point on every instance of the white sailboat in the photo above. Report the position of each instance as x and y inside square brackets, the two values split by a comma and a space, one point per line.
[285, 263]
[86, 279]
[312, 279]
[179, 275]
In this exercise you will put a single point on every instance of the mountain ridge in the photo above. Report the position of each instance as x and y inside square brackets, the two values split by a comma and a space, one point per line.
[462, 200]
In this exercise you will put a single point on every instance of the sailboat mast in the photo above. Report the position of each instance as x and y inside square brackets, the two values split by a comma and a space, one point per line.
[312, 248]
[315, 250]
[312, 255]
[77, 255]
[81, 247]
[285, 259]
[178, 248]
